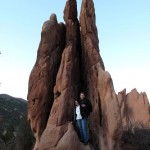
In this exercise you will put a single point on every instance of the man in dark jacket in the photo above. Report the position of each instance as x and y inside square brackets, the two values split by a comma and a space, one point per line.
[82, 111]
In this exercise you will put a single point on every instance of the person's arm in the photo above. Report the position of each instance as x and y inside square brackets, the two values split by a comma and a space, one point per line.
[89, 105]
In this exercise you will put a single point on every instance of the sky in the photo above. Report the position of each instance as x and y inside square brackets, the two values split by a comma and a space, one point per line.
[123, 30]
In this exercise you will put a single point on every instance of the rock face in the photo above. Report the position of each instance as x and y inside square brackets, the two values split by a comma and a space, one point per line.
[59, 128]
[134, 109]
[105, 118]
[43, 75]
[68, 61]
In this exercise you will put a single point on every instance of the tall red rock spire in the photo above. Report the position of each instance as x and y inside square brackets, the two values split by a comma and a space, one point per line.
[105, 118]
[43, 75]
[60, 133]
[69, 60]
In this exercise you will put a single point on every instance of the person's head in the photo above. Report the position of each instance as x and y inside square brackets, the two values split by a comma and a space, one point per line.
[76, 103]
[82, 95]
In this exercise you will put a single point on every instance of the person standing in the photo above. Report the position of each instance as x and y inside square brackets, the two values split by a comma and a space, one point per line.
[82, 112]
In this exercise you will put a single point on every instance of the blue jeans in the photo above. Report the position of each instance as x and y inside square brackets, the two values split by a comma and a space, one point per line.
[83, 129]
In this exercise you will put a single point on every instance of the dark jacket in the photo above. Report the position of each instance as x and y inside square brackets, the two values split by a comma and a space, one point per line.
[85, 111]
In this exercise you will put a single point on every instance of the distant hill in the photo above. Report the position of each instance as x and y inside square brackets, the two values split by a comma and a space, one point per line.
[11, 110]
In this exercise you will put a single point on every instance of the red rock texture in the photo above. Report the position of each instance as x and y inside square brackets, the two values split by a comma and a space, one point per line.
[43, 75]
[60, 73]
[59, 133]
[105, 118]
[134, 109]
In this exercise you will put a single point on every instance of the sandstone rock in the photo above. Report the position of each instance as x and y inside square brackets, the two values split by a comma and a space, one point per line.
[122, 99]
[60, 133]
[105, 118]
[134, 109]
[55, 85]
[43, 76]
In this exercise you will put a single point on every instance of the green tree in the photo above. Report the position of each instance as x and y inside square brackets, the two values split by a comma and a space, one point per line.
[9, 133]
[1, 124]
[2, 145]
[24, 135]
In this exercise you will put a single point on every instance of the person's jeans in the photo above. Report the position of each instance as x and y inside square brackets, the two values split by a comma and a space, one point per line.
[83, 129]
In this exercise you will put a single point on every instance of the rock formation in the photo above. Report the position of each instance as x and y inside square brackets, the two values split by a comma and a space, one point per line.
[69, 61]
[105, 119]
[43, 75]
[59, 128]
[134, 109]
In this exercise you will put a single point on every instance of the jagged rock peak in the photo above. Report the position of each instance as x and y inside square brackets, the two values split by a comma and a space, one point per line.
[52, 21]
[134, 109]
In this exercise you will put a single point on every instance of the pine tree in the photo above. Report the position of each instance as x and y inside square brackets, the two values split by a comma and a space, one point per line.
[24, 135]
[2, 143]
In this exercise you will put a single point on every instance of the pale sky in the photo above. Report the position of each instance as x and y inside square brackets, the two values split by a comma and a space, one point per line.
[124, 35]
